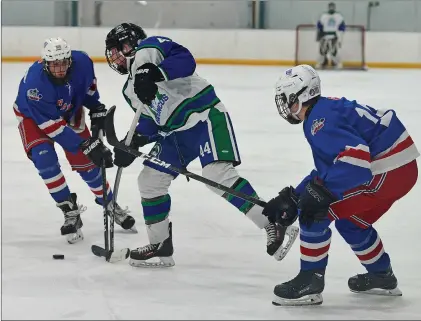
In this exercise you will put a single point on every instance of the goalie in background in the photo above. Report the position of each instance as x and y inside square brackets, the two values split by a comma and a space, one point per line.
[330, 31]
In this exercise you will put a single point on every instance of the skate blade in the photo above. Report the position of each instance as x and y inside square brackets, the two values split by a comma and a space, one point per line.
[164, 262]
[384, 292]
[74, 237]
[311, 299]
[292, 233]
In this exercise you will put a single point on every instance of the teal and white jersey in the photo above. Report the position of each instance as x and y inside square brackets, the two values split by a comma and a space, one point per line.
[184, 98]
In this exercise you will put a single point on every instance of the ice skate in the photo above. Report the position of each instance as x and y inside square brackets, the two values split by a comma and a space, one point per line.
[123, 219]
[72, 221]
[276, 233]
[384, 283]
[121, 216]
[154, 255]
[305, 289]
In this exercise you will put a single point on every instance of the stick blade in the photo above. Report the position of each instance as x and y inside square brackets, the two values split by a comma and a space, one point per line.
[98, 251]
[119, 255]
[112, 257]
[109, 127]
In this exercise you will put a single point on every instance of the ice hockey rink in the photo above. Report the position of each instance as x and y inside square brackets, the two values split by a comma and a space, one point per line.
[222, 270]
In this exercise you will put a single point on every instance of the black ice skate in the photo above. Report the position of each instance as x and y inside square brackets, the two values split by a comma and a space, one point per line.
[72, 221]
[275, 238]
[305, 289]
[121, 216]
[384, 283]
[154, 255]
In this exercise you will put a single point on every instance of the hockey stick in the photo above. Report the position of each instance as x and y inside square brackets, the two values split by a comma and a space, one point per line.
[127, 142]
[113, 140]
[107, 252]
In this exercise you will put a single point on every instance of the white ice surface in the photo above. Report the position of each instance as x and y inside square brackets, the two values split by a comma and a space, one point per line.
[222, 270]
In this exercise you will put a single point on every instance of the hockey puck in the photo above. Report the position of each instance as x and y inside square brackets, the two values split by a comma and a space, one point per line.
[58, 257]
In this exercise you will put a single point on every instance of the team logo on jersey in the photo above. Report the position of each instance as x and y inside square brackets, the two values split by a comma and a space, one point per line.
[33, 94]
[317, 125]
[63, 107]
[156, 150]
[157, 105]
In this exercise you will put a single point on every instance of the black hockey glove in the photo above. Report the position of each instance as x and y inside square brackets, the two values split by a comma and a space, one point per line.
[144, 82]
[97, 116]
[283, 208]
[314, 203]
[123, 158]
[97, 152]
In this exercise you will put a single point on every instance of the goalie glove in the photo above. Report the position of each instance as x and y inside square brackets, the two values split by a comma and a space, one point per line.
[314, 202]
[283, 208]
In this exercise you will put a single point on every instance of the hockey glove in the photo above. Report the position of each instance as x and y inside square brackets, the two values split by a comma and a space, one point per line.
[97, 152]
[283, 208]
[123, 158]
[314, 202]
[97, 116]
[144, 84]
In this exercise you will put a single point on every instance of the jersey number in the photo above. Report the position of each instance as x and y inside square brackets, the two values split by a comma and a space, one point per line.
[161, 40]
[364, 111]
[205, 149]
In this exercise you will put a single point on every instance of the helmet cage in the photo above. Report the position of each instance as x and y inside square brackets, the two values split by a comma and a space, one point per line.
[285, 104]
[122, 41]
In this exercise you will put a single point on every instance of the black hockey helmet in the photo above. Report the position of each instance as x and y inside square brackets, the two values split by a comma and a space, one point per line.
[121, 43]
[331, 7]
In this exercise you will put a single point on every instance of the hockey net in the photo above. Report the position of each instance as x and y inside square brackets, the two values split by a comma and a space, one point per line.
[352, 52]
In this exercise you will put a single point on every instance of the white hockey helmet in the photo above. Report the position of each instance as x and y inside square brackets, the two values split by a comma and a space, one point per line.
[57, 57]
[297, 85]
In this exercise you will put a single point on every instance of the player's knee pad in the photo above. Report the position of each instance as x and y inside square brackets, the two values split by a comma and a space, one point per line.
[223, 173]
[44, 157]
[153, 183]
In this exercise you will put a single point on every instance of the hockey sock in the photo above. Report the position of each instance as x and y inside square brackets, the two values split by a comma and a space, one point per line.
[366, 244]
[315, 244]
[56, 183]
[252, 211]
[241, 185]
[45, 160]
[93, 178]
[156, 209]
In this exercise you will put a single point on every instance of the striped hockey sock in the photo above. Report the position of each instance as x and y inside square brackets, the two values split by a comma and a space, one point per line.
[366, 244]
[93, 178]
[156, 209]
[315, 244]
[241, 185]
[55, 182]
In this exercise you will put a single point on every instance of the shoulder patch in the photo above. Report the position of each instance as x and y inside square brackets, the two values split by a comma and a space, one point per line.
[317, 125]
[34, 94]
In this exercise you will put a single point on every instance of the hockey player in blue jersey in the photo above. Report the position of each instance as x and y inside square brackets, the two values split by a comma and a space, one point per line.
[49, 108]
[365, 161]
[182, 114]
